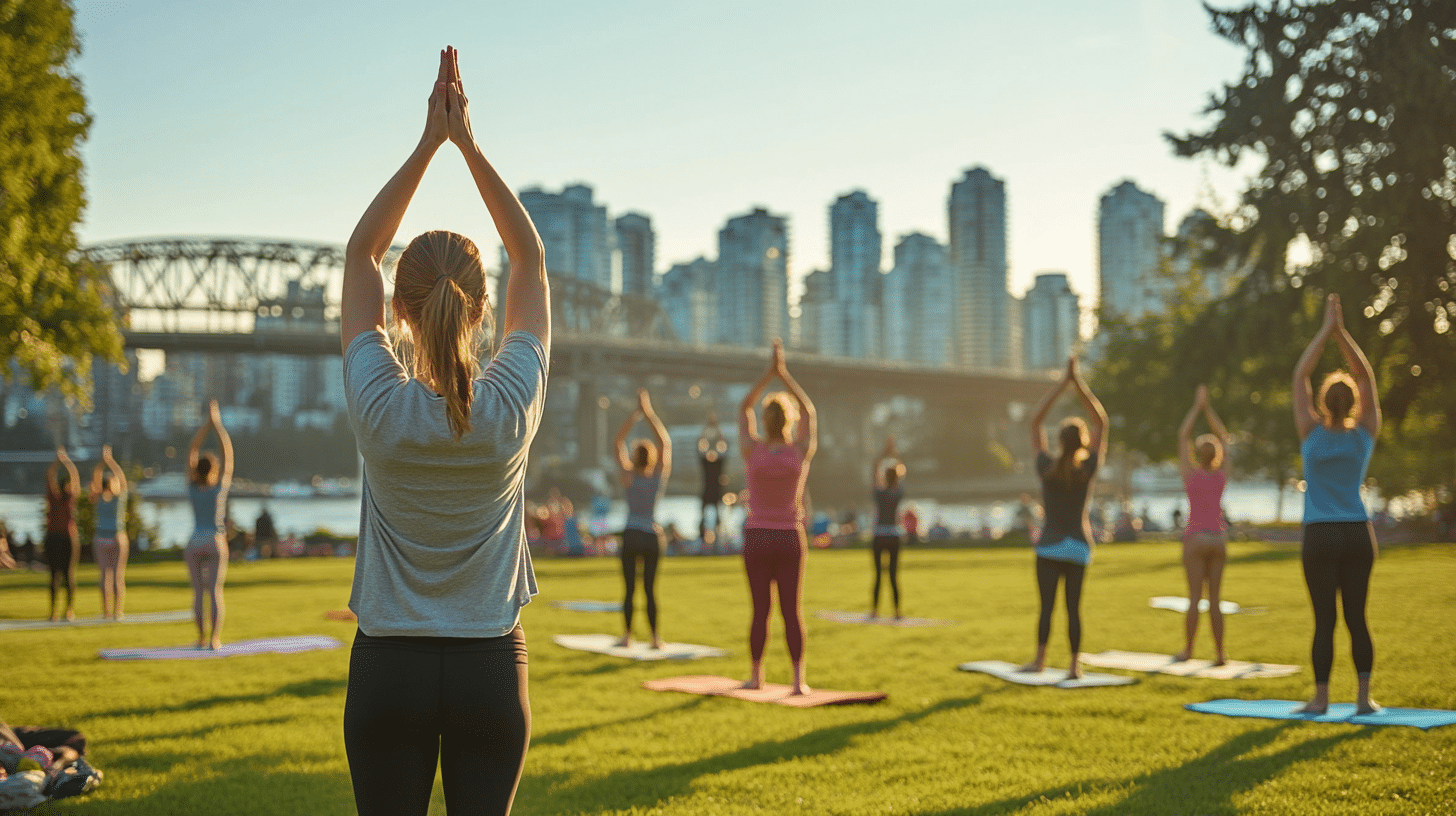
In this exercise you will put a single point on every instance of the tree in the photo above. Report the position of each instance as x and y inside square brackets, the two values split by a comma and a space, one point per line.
[54, 314]
[1351, 104]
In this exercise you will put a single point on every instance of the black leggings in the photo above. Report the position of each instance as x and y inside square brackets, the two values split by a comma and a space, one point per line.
[887, 544]
[1337, 557]
[60, 549]
[415, 700]
[640, 544]
[1048, 570]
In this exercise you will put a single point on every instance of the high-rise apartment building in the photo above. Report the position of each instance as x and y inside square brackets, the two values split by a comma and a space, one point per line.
[1187, 256]
[752, 283]
[1130, 251]
[686, 295]
[637, 244]
[977, 217]
[1051, 321]
[918, 307]
[574, 233]
[855, 252]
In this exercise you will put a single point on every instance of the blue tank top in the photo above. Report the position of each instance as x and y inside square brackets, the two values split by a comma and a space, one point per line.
[642, 502]
[207, 507]
[1334, 469]
[106, 512]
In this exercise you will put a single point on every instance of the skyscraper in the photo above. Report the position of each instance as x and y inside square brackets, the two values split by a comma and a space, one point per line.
[573, 232]
[1051, 321]
[1130, 251]
[977, 216]
[854, 266]
[638, 246]
[686, 295]
[753, 281]
[918, 308]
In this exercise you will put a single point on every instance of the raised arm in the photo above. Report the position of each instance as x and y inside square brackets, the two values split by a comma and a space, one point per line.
[528, 293]
[664, 440]
[224, 444]
[1305, 417]
[747, 424]
[1096, 414]
[624, 456]
[1038, 417]
[1218, 430]
[877, 469]
[194, 451]
[118, 476]
[807, 437]
[361, 306]
[1362, 372]
[53, 486]
[1185, 433]
[65, 462]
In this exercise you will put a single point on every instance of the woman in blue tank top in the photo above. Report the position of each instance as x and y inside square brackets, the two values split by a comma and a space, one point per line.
[108, 496]
[1339, 545]
[209, 477]
[644, 473]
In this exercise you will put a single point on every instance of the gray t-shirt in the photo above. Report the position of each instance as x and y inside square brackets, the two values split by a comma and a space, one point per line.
[442, 541]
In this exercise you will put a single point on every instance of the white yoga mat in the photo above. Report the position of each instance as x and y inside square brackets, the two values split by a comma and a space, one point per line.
[638, 650]
[1173, 603]
[878, 620]
[1165, 664]
[589, 606]
[1046, 677]
[140, 617]
[280, 645]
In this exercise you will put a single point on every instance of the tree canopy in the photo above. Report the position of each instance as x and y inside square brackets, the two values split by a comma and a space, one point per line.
[54, 311]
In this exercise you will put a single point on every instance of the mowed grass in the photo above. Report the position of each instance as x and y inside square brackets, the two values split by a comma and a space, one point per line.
[251, 735]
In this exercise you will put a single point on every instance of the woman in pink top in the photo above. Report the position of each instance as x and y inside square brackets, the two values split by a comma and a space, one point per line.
[1205, 473]
[774, 542]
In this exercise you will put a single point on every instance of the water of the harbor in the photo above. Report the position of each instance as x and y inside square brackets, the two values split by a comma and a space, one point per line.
[1244, 502]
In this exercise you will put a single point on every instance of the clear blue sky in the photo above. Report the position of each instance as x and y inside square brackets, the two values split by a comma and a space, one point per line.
[282, 119]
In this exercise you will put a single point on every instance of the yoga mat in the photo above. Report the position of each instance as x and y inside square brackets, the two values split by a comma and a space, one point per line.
[1046, 677]
[281, 645]
[638, 650]
[1165, 664]
[142, 617]
[770, 693]
[879, 620]
[1422, 718]
[589, 606]
[1173, 603]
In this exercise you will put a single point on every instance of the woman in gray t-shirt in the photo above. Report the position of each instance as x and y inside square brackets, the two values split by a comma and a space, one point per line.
[644, 472]
[438, 667]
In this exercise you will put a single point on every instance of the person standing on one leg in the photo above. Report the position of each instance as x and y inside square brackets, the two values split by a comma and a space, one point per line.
[437, 671]
[108, 496]
[1339, 545]
[774, 541]
[887, 474]
[1064, 548]
[644, 471]
[207, 549]
[63, 551]
[1204, 467]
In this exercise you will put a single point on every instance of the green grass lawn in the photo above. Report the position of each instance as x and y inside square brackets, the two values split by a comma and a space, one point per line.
[251, 735]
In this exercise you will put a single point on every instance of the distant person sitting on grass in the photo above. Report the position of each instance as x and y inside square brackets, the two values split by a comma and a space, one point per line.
[207, 550]
[1205, 475]
[1064, 548]
[437, 673]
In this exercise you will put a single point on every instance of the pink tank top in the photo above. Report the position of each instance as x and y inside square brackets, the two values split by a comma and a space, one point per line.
[775, 475]
[1205, 499]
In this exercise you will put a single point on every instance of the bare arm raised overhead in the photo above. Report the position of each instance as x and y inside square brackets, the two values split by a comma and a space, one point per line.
[806, 438]
[1185, 432]
[224, 444]
[1362, 372]
[664, 440]
[1038, 417]
[1096, 414]
[1305, 417]
[1218, 430]
[747, 423]
[624, 456]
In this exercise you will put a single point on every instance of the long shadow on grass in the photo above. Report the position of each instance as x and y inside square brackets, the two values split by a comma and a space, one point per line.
[317, 687]
[629, 789]
[1206, 785]
[568, 734]
[117, 758]
[1284, 553]
[243, 785]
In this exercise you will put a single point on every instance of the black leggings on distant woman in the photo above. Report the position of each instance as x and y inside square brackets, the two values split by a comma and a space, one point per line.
[887, 545]
[413, 701]
[644, 545]
[1048, 572]
[1337, 558]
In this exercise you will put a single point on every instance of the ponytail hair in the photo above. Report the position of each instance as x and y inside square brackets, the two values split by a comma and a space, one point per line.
[1338, 399]
[440, 306]
[1073, 438]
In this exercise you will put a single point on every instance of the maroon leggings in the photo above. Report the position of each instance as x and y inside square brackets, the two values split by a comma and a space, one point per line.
[776, 556]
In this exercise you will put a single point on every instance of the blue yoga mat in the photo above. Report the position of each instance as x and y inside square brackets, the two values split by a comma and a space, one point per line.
[1421, 718]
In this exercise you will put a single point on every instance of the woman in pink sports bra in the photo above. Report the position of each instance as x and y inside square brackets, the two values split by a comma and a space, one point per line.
[1205, 474]
[774, 543]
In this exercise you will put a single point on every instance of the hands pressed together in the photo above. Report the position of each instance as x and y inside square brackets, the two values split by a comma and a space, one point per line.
[449, 110]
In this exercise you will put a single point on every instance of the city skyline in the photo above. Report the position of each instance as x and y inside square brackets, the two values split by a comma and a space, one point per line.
[246, 149]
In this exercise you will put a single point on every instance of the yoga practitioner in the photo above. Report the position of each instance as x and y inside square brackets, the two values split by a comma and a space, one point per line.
[63, 551]
[1339, 545]
[207, 550]
[886, 473]
[713, 456]
[1064, 548]
[645, 471]
[774, 542]
[437, 673]
[1205, 474]
[108, 496]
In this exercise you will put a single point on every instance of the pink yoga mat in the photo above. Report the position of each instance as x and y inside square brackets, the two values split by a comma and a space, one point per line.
[770, 693]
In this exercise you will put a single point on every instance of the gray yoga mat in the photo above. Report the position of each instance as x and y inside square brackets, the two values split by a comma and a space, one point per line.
[172, 616]
[279, 645]
[1047, 677]
[637, 650]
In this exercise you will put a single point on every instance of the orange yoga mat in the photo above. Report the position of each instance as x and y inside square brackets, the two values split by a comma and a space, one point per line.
[770, 693]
